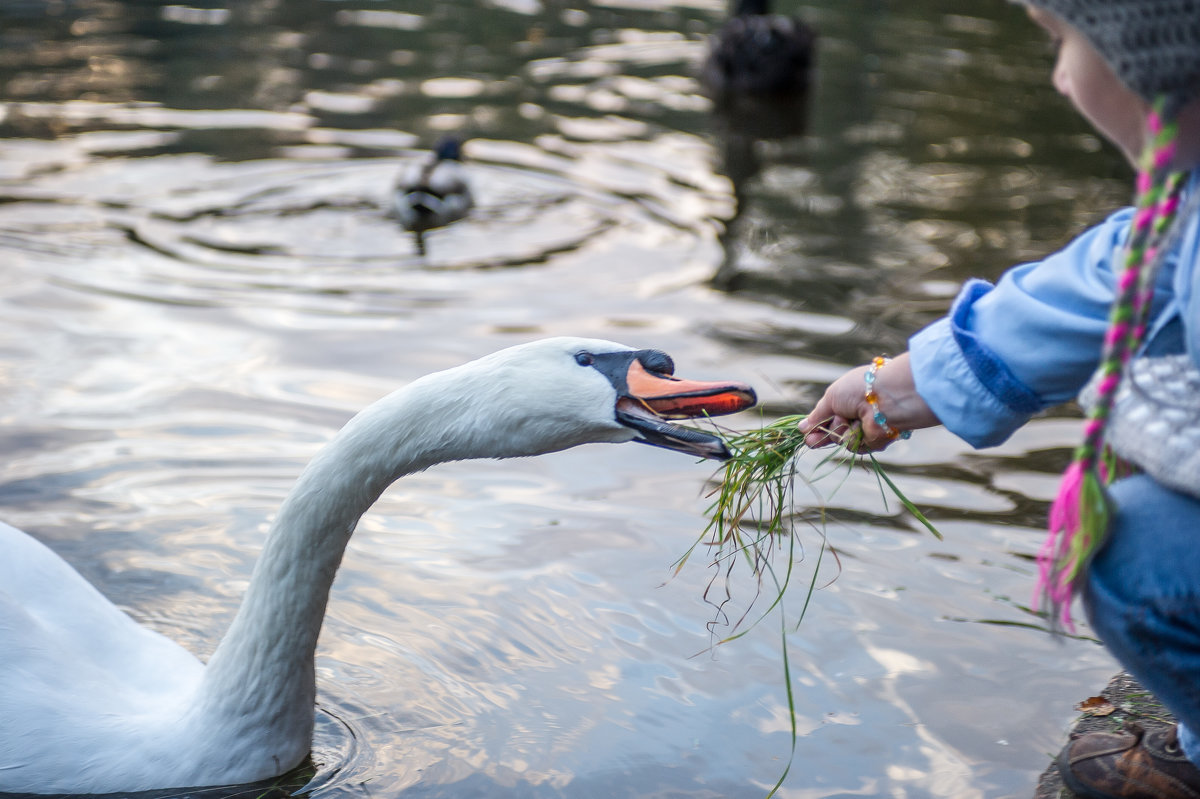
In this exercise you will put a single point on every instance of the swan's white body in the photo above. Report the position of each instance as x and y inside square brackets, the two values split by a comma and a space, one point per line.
[91, 702]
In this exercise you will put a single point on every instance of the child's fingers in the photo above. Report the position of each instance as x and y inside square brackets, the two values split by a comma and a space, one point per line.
[830, 430]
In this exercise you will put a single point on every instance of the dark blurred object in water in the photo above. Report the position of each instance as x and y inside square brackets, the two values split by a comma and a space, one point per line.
[757, 73]
[435, 192]
[758, 53]
[738, 135]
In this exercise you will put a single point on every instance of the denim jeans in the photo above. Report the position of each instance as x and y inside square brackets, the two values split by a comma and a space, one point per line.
[1143, 596]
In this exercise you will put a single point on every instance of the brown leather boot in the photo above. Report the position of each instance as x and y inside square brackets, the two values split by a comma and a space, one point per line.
[1136, 763]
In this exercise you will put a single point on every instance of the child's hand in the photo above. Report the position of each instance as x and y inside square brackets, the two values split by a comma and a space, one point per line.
[843, 413]
[837, 415]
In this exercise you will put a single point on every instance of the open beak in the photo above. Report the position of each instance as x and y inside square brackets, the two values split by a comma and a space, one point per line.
[651, 398]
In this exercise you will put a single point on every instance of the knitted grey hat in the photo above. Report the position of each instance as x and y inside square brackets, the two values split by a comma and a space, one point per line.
[1153, 46]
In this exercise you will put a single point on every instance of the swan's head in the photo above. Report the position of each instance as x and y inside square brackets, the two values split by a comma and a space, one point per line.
[560, 392]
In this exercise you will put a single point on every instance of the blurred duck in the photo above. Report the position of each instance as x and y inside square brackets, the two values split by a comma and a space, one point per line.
[760, 54]
[434, 193]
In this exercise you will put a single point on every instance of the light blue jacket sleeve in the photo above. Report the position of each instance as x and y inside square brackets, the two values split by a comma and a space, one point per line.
[1007, 351]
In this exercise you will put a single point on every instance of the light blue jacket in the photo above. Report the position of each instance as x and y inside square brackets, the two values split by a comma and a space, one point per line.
[1031, 341]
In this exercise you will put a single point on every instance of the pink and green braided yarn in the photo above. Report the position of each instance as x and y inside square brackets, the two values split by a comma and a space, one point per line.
[1079, 515]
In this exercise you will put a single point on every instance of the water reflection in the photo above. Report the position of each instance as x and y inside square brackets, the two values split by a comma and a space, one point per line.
[201, 282]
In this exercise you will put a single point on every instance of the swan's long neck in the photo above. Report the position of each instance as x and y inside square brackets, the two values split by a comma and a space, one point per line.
[259, 686]
[261, 677]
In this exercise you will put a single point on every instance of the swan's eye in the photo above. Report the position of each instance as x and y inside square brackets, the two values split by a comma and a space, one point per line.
[585, 358]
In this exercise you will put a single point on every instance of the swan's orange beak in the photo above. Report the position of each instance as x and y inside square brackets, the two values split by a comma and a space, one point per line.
[651, 397]
[673, 398]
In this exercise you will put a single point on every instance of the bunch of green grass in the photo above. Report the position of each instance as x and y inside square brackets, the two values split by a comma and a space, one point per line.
[753, 520]
[754, 509]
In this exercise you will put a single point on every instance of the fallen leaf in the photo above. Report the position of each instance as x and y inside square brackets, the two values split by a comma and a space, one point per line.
[1096, 706]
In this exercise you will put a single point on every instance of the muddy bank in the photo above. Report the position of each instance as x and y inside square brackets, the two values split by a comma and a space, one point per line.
[1122, 700]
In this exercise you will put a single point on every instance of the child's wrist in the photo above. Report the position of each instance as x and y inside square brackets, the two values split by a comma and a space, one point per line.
[874, 400]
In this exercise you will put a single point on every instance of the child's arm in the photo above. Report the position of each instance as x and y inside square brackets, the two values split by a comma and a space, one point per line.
[1030, 342]
[1002, 354]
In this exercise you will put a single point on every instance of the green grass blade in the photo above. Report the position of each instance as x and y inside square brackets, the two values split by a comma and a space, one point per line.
[908, 505]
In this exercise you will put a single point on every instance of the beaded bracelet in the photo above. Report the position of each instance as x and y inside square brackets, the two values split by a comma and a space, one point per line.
[873, 399]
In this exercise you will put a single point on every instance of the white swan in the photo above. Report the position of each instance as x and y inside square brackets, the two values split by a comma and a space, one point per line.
[90, 702]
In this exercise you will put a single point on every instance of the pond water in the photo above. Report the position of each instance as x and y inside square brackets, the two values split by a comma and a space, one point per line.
[201, 284]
